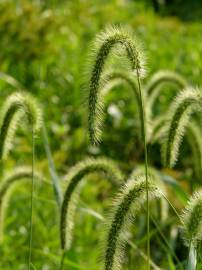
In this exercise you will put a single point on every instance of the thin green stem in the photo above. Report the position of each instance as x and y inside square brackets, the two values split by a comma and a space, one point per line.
[165, 240]
[31, 203]
[142, 254]
[144, 135]
[62, 259]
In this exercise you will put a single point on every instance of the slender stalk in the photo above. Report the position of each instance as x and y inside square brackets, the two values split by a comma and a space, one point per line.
[165, 240]
[62, 259]
[31, 202]
[103, 46]
[142, 115]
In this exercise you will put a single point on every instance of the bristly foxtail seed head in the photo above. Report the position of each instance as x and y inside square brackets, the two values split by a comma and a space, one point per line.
[110, 79]
[155, 85]
[126, 206]
[70, 199]
[19, 105]
[154, 177]
[186, 102]
[164, 76]
[102, 47]
[194, 136]
[192, 219]
[6, 187]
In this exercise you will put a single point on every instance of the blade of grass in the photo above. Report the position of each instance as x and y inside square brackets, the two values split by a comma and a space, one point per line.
[51, 166]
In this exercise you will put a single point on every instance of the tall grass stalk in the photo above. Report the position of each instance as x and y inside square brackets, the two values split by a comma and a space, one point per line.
[54, 177]
[20, 106]
[102, 48]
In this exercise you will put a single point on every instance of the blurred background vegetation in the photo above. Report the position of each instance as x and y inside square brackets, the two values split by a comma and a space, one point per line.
[44, 45]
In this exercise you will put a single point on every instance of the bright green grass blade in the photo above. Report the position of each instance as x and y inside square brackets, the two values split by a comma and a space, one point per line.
[51, 166]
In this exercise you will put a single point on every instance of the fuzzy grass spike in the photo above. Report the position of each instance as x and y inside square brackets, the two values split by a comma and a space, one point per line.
[187, 102]
[194, 136]
[154, 176]
[20, 106]
[164, 76]
[192, 226]
[102, 47]
[55, 179]
[16, 107]
[73, 179]
[127, 204]
[192, 219]
[8, 184]
[155, 86]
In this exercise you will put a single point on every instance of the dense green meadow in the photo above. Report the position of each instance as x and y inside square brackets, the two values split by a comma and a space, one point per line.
[46, 51]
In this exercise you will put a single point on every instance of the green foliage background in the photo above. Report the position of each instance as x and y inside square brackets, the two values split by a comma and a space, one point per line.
[44, 45]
